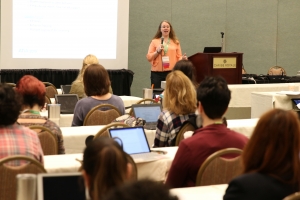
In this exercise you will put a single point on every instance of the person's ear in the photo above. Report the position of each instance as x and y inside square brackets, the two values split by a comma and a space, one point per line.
[129, 170]
[86, 178]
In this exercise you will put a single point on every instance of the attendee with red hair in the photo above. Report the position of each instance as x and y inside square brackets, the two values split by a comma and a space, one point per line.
[33, 92]
[14, 138]
[271, 166]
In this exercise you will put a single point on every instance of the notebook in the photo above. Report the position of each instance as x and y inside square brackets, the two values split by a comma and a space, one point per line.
[60, 186]
[135, 143]
[65, 89]
[148, 112]
[212, 49]
[67, 102]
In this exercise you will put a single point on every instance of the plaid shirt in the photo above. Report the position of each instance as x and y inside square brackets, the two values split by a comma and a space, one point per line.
[48, 124]
[19, 140]
[168, 125]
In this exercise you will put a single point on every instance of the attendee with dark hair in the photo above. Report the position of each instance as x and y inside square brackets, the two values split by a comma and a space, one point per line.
[271, 166]
[105, 166]
[97, 93]
[15, 139]
[164, 51]
[179, 105]
[33, 92]
[77, 86]
[213, 97]
[141, 190]
[188, 69]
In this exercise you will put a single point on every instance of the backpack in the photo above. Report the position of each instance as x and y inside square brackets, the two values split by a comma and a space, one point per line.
[130, 120]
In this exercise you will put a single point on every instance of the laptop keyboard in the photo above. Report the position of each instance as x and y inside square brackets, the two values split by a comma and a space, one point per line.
[146, 157]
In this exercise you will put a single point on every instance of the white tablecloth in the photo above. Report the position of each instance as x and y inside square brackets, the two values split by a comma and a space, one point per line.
[155, 170]
[211, 192]
[74, 137]
[264, 101]
[66, 119]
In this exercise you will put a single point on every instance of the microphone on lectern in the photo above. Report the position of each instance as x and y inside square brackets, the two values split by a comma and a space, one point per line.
[222, 34]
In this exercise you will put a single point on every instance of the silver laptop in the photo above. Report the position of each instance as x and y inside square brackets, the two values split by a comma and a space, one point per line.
[135, 143]
[65, 89]
[148, 112]
[67, 102]
[60, 186]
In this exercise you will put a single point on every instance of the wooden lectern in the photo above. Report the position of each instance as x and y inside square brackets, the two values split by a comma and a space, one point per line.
[227, 65]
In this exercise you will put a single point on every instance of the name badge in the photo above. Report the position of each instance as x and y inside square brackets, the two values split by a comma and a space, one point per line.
[165, 62]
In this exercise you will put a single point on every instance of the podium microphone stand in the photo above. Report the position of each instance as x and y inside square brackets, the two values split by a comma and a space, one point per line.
[222, 42]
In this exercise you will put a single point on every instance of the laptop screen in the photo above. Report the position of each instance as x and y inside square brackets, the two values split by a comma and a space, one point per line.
[60, 186]
[133, 139]
[67, 102]
[148, 112]
[212, 49]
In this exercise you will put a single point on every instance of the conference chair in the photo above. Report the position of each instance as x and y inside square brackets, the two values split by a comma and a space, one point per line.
[48, 140]
[276, 70]
[180, 134]
[47, 101]
[8, 173]
[143, 101]
[102, 114]
[295, 196]
[104, 131]
[50, 90]
[219, 170]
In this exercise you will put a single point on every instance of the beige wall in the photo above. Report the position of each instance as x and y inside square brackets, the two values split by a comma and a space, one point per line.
[267, 32]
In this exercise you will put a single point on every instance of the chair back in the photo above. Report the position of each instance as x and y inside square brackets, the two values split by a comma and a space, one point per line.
[276, 70]
[104, 131]
[180, 134]
[13, 85]
[8, 180]
[48, 140]
[218, 170]
[143, 101]
[50, 90]
[96, 116]
[295, 196]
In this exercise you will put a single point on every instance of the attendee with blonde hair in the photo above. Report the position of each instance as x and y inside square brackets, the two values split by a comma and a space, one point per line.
[97, 93]
[105, 166]
[77, 86]
[179, 104]
[271, 166]
[164, 51]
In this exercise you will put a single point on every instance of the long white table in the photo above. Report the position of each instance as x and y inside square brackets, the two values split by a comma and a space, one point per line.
[156, 170]
[264, 101]
[65, 120]
[74, 137]
[240, 103]
[211, 192]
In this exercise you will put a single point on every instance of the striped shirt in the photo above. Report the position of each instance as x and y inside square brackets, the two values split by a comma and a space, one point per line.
[19, 140]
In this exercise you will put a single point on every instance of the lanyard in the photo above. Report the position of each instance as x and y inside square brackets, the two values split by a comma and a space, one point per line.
[166, 47]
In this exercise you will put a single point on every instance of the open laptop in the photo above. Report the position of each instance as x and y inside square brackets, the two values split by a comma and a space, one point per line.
[148, 112]
[65, 89]
[67, 102]
[135, 143]
[60, 186]
[212, 49]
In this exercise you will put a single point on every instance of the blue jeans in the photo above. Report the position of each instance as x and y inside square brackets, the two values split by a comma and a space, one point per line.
[158, 77]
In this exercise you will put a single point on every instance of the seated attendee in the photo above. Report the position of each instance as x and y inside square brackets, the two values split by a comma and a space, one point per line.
[105, 166]
[188, 69]
[213, 97]
[97, 93]
[14, 138]
[271, 166]
[141, 190]
[77, 86]
[33, 92]
[179, 105]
